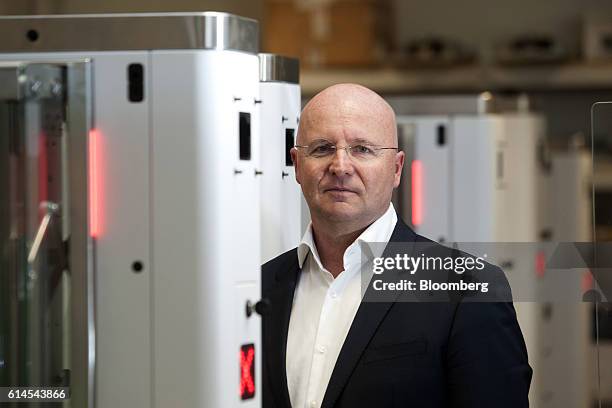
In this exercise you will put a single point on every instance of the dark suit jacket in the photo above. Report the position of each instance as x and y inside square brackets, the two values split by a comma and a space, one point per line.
[405, 354]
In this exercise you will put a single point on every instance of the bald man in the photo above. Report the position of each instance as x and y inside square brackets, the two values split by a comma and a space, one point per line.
[323, 345]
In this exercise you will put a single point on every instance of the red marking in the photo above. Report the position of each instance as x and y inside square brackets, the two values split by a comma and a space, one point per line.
[247, 371]
[540, 264]
[587, 281]
[95, 184]
[417, 192]
[42, 168]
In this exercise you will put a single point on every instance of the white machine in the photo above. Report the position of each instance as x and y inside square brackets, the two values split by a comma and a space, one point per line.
[569, 352]
[459, 172]
[280, 116]
[477, 171]
[131, 159]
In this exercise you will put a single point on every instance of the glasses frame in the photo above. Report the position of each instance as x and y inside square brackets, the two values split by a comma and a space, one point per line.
[347, 148]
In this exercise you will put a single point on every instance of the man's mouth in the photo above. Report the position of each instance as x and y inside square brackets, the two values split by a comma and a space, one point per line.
[338, 190]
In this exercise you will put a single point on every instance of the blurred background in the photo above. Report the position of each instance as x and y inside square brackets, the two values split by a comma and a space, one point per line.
[437, 62]
[560, 52]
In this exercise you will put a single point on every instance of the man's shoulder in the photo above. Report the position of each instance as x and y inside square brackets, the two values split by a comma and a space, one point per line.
[280, 260]
[276, 267]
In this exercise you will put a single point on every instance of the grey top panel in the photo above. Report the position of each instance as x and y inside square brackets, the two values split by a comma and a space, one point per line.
[123, 32]
[474, 104]
[276, 68]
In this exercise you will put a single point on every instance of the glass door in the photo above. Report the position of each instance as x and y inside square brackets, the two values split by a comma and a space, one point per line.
[44, 245]
[601, 134]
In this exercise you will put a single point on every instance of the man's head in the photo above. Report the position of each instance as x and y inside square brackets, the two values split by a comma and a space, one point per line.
[349, 191]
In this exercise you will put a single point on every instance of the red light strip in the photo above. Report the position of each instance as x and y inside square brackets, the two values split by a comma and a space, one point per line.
[42, 169]
[540, 264]
[94, 183]
[587, 281]
[417, 192]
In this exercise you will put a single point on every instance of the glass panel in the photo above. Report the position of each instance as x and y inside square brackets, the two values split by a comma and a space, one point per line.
[35, 296]
[601, 133]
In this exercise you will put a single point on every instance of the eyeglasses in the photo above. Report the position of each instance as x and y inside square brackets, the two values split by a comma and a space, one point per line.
[360, 151]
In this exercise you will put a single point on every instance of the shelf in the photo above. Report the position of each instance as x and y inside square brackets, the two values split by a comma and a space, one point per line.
[568, 77]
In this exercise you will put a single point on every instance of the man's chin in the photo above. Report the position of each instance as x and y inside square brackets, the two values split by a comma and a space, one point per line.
[340, 211]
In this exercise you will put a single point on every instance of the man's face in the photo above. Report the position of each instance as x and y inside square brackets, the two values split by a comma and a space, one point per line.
[340, 187]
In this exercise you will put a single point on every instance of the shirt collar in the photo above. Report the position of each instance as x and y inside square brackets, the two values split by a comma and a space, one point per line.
[378, 232]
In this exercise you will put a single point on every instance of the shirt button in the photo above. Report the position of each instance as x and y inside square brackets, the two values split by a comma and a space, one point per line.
[313, 404]
[334, 295]
[322, 349]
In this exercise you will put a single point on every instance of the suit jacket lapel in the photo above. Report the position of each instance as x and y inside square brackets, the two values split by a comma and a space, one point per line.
[281, 300]
[366, 321]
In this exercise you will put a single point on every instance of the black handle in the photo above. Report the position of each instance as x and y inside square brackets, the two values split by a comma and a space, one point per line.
[262, 307]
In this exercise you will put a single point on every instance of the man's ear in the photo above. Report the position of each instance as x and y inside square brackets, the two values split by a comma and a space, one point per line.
[399, 165]
[296, 165]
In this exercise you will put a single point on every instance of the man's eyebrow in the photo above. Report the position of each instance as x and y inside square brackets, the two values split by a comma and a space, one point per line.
[361, 140]
[319, 140]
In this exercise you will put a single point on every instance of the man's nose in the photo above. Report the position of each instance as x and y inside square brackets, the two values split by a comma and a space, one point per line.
[341, 163]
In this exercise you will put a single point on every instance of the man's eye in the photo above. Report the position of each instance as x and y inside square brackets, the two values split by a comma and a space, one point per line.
[322, 149]
[362, 149]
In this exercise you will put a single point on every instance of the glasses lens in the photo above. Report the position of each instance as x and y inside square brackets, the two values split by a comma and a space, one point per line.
[321, 149]
[363, 151]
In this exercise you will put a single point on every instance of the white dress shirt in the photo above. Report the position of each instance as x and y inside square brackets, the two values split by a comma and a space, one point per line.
[323, 311]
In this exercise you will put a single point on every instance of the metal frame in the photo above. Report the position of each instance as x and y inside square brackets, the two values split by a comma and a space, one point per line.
[277, 68]
[122, 32]
[81, 257]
